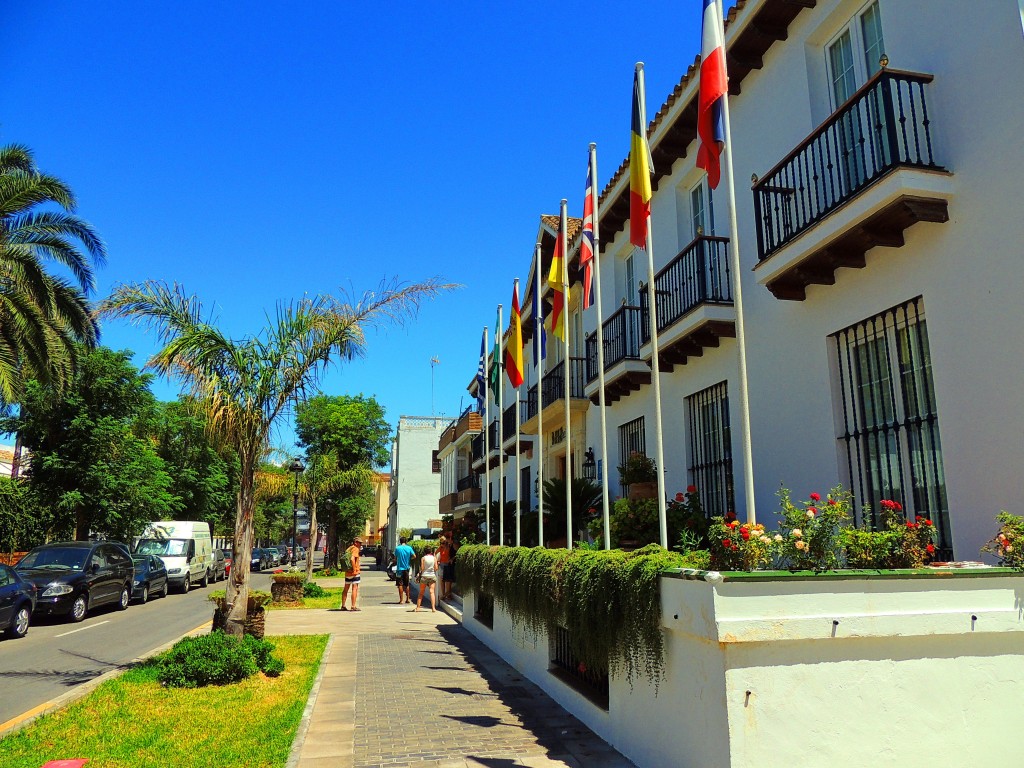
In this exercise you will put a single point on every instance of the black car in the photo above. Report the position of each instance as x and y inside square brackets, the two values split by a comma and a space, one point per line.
[219, 569]
[150, 577]
[73, 577]
[17, 600]
[260, 560]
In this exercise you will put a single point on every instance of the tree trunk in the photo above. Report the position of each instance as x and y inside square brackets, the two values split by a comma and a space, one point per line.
[312, 539]
[237, 592]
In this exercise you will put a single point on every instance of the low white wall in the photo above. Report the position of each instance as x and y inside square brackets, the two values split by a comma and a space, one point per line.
[813, 671]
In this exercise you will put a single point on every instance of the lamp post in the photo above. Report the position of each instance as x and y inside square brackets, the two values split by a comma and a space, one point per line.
[589, 465]
[297, 468]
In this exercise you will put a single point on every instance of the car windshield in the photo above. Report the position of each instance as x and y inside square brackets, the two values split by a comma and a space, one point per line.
[140, 559]
[166, 547]
[55, 558]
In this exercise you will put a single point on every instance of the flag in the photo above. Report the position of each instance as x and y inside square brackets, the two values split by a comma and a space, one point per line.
[587, 243]
[639, 166]
[481, 384]
[557, 287]
[514, 345]
[496, 361]
[540, 339]
[714, 83]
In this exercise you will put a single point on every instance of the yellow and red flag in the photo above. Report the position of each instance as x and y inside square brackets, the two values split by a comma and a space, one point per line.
[556, 279]
[514, 345]
[639, 166]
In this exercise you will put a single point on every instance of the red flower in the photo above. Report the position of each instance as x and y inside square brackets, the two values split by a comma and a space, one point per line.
[735, 548]
[726, 543]
[582, 668]
[733, 524]
[815, 497]
[927, 522]
[730, 515]
[911, 525]
[680, 497]
[832, 501]
[691, 489]
[593, 511]
[897, 506]
[813, 510]
[745, 534]
[930, 549]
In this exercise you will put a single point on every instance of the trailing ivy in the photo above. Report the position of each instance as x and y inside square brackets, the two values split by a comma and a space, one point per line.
[610, 601]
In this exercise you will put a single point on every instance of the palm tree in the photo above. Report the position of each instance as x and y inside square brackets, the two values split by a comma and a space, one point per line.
[246, 386]
[43, 318]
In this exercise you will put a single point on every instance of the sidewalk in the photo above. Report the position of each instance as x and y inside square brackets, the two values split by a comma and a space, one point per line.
[399, 688]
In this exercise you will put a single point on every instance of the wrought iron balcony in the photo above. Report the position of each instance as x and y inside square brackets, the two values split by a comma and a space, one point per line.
[467, 482]
[622, 340]
[553, 385]
[478, 447]
[700, 274]
[884, 125]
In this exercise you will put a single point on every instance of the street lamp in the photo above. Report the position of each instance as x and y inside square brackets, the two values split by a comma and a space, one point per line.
[296, 467]
[589, 465]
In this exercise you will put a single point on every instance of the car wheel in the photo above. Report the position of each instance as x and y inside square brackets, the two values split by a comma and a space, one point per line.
[126, 596]
[19, 624]
[145, 594]
[203, 582]
[79, 608]
[186, 584]
[165, 589]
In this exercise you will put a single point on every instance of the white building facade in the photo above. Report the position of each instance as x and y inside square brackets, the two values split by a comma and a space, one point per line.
[415, 474]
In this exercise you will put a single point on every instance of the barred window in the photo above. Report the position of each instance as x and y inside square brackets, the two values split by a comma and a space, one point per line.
[711, 449]
[888, 425]
[632, 437]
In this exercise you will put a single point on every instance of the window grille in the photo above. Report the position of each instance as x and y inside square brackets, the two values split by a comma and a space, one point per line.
[889, 428]
[435, 463]
[632, 437]
[484, 609]
[592, 683]
[711, 449]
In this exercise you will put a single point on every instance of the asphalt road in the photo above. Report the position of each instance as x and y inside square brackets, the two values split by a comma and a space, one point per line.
[58, 655]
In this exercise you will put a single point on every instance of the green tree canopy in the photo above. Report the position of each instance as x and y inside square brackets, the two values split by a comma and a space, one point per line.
[352, 427]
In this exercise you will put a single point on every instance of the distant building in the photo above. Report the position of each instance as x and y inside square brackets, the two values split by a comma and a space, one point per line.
[377, 523]
[6, 460]
[415, 474]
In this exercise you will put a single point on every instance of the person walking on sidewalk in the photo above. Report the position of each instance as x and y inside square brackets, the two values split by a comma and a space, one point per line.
[352, 575]
[404, 555]
[427, 578]
[446, 560]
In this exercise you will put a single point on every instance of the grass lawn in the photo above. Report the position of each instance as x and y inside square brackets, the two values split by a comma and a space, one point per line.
[134, 722]
[331, 600]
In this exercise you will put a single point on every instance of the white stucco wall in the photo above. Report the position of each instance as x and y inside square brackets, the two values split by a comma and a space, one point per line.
[417, 487]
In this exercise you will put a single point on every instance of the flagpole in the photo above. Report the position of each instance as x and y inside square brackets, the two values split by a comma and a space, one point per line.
[487, 450]
[501, 431]
[538, 330]
[655, 364]
[737, 297]
[605, 501]
[563, 229]
[519, 476]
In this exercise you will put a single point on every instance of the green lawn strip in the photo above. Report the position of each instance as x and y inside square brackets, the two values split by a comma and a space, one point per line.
[331, 600]
[134, 722]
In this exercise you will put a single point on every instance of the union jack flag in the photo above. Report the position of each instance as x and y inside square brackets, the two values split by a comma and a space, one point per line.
[587, 243]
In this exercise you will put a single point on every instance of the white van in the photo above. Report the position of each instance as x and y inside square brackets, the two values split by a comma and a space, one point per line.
[185, 547]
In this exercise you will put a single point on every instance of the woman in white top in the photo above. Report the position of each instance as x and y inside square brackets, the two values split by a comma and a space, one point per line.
[428, 578]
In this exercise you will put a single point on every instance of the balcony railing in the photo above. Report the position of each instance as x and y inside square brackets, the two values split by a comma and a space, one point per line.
[478, 447]
[470, 481]
[622, 340]
[884, 125]
[492, 435]
[553, 384]
[698, 275]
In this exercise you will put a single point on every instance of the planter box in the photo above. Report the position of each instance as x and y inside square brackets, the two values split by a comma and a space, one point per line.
[840, 669]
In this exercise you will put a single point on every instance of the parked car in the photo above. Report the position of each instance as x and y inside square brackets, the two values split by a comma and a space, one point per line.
[302, 553]
[275, 556]
[150, 577]
[260, 560]
[17, 601]
[185, 547]
[228, 555]
[73, 577]
[219, 570]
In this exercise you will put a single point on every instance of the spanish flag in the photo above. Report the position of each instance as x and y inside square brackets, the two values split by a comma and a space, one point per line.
[514, 344]
[640, 165]
[556, 279]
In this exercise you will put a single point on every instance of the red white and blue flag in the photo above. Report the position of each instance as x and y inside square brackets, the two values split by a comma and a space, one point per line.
[714, 84]
[587, 243]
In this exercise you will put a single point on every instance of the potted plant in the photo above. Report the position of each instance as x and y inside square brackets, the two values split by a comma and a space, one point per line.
[640, 473]
[255, 612]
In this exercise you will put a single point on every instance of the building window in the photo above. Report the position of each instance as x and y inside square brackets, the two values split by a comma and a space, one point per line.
[711, 449]
[524, 489]
[888, 417]
[629, 287]
[701, 218]
[852, 56]
[435, 463]
[631, 438]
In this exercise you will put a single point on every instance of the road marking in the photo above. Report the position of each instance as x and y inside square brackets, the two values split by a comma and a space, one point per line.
[82, 629]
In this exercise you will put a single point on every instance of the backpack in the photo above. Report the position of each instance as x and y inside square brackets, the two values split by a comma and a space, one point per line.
[346, 561]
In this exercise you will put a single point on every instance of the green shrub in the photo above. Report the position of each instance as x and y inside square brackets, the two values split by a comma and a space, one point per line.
[216, 659]
[312, 589]
[261, 651]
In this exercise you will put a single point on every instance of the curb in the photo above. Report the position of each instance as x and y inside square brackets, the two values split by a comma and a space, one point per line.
[24, 719]
[295, 754]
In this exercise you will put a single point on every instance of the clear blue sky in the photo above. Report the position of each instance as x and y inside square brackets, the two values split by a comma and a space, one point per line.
[267, 150]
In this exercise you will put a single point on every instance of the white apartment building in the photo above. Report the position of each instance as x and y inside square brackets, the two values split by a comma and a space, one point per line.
[415, 474]
[880, 248]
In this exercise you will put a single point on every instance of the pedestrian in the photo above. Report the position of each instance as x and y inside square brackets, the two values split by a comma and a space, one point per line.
[404, 555]
[446, 559]
[427, 578]
[352, 575]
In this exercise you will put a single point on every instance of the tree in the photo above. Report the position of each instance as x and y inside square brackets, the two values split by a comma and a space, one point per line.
[92, 467]
[45, 320]
[204, 476]
[353, 431]
[246, 386]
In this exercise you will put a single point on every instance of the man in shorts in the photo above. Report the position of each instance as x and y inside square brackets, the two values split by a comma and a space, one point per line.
[404, 555]
[352, 576]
